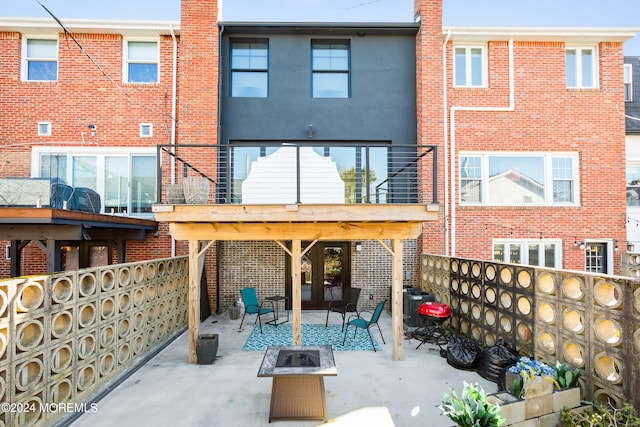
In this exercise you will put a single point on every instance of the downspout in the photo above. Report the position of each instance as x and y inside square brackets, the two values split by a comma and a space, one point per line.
[446, 143]
[511, 107]
[174, 96]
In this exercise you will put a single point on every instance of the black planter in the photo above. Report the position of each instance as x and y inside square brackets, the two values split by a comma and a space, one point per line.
[206, 348]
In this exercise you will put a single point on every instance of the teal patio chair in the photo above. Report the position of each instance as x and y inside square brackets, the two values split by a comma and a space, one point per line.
[362, 323]
[251, 306]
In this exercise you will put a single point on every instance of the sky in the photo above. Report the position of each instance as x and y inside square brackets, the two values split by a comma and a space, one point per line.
[477, 13]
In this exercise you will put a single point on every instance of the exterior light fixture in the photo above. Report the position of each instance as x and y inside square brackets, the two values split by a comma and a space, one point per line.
[358, 246]
[630, 247]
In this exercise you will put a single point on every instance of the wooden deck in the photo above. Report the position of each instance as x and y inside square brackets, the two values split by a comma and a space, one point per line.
[296, 223]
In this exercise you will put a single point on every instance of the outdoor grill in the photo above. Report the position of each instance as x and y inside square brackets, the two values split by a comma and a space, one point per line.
[433, 331]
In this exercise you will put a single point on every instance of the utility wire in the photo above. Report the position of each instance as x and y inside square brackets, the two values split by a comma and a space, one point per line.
[68, 36]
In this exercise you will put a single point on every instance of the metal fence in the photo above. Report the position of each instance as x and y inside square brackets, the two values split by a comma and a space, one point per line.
[297, 172]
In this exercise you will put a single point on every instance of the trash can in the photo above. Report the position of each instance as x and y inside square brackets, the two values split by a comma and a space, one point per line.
[413, 297]
[206, 348]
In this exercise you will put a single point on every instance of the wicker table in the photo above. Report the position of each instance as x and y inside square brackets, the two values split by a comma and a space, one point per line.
[297, 389]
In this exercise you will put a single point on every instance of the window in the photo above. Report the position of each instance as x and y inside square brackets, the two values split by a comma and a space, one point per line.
[628, 83]
[518, 180]
[250, 68]
[581, 67]
[330, 65]
[40, 62]
[146, 130]
[44, 128]
[537, 252]
[141, 62]
[470, 66]
[125, 181]
[633, 185]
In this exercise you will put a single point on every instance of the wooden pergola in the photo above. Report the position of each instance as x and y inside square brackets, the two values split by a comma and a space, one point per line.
[296, 223]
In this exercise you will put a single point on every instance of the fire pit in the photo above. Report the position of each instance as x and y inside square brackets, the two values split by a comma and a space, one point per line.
[297, 389]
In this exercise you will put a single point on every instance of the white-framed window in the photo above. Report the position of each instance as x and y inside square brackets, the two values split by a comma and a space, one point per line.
[124, 177]
[582, 67]
[39, 59]
[517, 179]
[628, 82]
[249, 68]
[330, 67]
[146, 130]
[470, 66]
[141, 61]
[44, 128]
[598, 256]
[536, 252]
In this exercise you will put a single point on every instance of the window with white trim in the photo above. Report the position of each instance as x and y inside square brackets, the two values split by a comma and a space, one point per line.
[628, 83]
[515, 179]
[141, 61]
[146, 130]
[536, 252]
[44, 128]
[582, 67]
[39, 59]
[125, 179]
[470, 66]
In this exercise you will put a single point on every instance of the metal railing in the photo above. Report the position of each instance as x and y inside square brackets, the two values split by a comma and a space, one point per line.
[258, 171]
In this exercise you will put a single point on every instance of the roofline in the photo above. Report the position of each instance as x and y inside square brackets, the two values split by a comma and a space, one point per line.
[616, 34]
[75, 25]
[332, 24]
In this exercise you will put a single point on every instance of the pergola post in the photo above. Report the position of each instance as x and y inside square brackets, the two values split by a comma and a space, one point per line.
[194, 299]
[396, 299]
[296, 297]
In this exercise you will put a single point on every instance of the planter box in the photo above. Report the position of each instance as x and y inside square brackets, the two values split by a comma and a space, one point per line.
[539, 411]
[206, 348]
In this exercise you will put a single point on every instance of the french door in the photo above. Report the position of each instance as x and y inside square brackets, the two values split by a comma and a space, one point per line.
[325, 274]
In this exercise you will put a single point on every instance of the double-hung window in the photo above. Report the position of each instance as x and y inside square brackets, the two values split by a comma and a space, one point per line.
[125, 181]
[582, 67]
[40, 59]
[249, 68]
[633, 185]
[330, 68]
[470, 66]
[141, 61]
[537, 252]
[513, 179]
[628, 83]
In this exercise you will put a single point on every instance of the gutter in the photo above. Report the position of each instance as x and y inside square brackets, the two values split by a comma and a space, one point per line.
[446, 143]
[511, 107]
[174, 99]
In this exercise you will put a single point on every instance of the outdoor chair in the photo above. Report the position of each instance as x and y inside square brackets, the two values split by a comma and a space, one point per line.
[362, 323]
[348, 304]
[251, 306]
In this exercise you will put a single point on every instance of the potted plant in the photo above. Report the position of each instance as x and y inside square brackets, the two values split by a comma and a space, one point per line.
[471, 409]
[566, 376]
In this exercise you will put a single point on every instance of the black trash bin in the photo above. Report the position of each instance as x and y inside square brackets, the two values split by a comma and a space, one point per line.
[206, 348]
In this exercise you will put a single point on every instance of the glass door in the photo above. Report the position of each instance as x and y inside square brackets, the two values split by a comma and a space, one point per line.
[325, 274]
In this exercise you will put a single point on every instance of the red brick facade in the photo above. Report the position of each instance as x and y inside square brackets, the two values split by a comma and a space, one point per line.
[546, 117]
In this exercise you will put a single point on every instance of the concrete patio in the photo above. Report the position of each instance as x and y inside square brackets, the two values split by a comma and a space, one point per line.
[169, 391]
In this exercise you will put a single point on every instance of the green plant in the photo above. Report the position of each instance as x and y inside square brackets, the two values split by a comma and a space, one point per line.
[471, 409]
[602, 417]
[566, 376]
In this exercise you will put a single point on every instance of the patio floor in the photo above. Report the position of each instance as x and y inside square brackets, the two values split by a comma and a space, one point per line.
[170, 391]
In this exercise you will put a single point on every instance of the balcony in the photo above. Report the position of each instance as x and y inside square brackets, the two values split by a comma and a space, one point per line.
[297, 172]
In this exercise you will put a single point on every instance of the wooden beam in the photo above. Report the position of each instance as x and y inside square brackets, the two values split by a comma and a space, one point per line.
[297, 213]
[40, 232]
[396, 300]
[293, 231]
[296, 292]
[194, 298]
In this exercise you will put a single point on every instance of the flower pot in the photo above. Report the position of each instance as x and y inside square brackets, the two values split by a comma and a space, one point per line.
[234, 312]
[206, 348]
